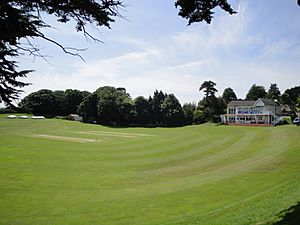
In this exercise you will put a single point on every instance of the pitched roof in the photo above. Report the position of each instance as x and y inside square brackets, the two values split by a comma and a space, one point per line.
[241, 103]
[267, 101]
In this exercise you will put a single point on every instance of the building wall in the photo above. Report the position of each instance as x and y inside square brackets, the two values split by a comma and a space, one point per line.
[252, 114]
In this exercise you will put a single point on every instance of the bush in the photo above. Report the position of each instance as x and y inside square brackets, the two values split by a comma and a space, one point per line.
[7, 110]
[199, 116]
[293, 116]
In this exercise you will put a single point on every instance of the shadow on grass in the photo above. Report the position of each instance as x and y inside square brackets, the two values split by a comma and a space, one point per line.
[290, 216]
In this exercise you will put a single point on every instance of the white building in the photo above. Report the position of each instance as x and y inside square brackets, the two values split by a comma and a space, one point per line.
[259, 112]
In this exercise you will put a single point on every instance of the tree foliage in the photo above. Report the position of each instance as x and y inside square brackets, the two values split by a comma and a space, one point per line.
[290, 97]
[52, 103]
[21, 21]
[297, 106]
[61, 108]
[156, 110]
[200, 116]
[201, 10]
[228, 95]
[143, 110]
[210, 106]
[256, 92]
[107, 105]
[126, 111]
[188, 110]
[43, 102]
[114, 106]
[208, 88]
[273, 92]
[172, 111]
[88, 108]
[73, 98]
[9, 83]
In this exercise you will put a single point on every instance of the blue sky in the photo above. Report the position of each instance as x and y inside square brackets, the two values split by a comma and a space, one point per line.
[153, 48]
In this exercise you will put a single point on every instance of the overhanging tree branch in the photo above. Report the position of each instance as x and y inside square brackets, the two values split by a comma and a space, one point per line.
[201, 10]
[65, 49]
[22, 19]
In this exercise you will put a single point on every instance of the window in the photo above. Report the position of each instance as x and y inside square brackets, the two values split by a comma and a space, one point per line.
[231, 110]
[231, 119]
[243, 110]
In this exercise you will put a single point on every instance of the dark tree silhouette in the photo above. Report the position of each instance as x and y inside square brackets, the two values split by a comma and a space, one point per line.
[210, 102]
[255, 92]
[88, 108]
[189, 110]
[228, 95]
[290, 97]
[43, 102]
[173, 114]
[156, 110]
[21, 20]
[274, 92]
[143, 109]
[208, 88]
[73, 98]
[201, 10]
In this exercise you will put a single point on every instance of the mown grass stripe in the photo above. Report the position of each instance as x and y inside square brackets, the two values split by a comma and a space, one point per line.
[198, 174]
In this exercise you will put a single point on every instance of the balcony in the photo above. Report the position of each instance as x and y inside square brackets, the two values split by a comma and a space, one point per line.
[247, 112]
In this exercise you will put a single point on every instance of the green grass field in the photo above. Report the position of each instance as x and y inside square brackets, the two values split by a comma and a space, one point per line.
[58, 172]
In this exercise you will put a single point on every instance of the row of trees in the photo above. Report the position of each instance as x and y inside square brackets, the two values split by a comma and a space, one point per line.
[114, 106]
[108, 106]
[52, 103]
[291, 96]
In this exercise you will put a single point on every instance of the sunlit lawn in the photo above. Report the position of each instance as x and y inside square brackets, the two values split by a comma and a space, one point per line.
[60, 172]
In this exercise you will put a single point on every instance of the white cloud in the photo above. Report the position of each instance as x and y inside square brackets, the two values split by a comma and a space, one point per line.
[275, 49]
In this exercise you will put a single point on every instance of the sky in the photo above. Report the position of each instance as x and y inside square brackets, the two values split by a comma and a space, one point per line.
[153, 48]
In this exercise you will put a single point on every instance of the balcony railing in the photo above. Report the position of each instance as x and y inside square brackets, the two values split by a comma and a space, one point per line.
[241, 112]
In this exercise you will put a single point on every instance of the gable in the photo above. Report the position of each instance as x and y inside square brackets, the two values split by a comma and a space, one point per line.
[259, 102]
